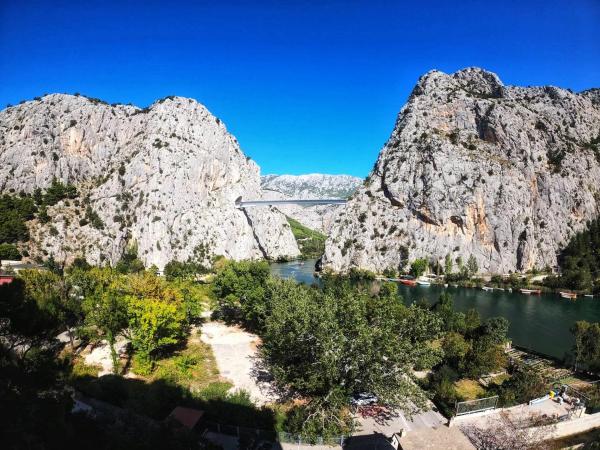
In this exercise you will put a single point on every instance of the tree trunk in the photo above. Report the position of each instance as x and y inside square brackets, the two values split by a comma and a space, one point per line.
[113, 353]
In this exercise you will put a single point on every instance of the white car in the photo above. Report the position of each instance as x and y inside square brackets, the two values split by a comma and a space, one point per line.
[363, 399]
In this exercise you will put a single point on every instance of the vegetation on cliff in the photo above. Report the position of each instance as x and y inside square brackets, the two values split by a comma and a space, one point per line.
[580, 261]
[311, 243]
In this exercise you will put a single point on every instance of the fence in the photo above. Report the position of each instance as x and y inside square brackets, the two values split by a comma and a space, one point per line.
[473, 406]
[271, 436]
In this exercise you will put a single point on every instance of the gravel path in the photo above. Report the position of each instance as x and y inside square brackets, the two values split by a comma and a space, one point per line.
[235, 353]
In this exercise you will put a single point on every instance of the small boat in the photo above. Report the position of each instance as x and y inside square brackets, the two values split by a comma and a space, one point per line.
[589, 295]
[446, 285]
[509, 289]
[487, 288]
[531, 291]
[423, 282]
[455, 285]
[408, 282]
[570, 295]
[499, 289]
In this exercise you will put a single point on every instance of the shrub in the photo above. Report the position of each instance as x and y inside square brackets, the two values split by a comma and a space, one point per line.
[9, 251]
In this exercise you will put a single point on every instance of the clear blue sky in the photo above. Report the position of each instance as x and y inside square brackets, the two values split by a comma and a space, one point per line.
[306, 86]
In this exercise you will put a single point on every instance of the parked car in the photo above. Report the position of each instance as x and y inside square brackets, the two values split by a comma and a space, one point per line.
[363, 399]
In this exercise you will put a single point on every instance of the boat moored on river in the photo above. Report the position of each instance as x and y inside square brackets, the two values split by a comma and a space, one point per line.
[531, 291]
[570, 295]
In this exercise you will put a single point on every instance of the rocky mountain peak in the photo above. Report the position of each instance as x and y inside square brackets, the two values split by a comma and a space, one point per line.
[163, 177]
[506, 174]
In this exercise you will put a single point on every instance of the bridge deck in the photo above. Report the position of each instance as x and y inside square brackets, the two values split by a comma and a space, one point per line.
[309, 202]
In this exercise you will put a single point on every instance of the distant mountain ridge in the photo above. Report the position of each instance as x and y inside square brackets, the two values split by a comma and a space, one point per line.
[313, 185]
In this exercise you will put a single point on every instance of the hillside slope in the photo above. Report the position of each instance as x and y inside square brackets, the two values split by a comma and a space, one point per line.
[473, 167]
[164, 177]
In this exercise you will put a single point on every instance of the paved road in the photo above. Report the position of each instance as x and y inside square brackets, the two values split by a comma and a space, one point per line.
[400, 421]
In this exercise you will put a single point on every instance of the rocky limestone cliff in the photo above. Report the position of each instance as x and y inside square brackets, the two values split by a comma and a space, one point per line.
[310, 186]
[165, 178]
[474, 167]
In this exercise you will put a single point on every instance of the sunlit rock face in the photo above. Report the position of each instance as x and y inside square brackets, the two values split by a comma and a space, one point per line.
[473, 167]
[165, 178]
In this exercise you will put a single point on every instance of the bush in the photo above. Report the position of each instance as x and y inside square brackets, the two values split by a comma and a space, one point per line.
[9, 251]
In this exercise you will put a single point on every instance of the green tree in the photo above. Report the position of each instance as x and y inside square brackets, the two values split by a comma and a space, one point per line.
[106, 317]
[153, 323]
[525, 384]
[452, 320]
[341, 340]
[455, 348]
[418, 267]
[15, 211]
[580, 260]
[587, 345]
[472, 266]
[129, 262]
[183, 270]
[240, 288]
[448, 264]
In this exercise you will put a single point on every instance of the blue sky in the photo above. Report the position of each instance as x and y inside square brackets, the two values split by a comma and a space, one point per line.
[305, 86]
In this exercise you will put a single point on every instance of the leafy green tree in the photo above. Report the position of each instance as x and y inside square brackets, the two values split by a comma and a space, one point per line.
[496, 328]
[484, 357]
[452, 320]
[106, 317]
[448, 264]
[587, 345]
[472, 266]
[15, 211]
[341, 340]
[183, 270]
[525, 384]
[580, 260]
[129, 262]
[418, 267]
[472, 321]
[240, 288]
[153, 323]
[58, 191]
[455, 348]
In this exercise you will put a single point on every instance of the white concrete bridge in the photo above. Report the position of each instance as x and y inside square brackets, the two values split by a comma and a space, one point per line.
[239, 203]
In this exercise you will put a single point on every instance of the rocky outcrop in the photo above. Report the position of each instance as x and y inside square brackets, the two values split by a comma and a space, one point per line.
[310, 186]
[473, 167]
[165, 178]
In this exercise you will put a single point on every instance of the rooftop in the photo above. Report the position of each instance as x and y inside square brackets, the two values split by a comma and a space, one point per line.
[187, 417]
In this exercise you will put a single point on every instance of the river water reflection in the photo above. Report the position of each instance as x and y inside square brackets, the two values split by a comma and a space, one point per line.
[538, 322]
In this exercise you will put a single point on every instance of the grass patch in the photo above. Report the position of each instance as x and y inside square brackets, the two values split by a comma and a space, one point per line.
[469, 389]
[310, 242]
[81, 369]
[194, 367]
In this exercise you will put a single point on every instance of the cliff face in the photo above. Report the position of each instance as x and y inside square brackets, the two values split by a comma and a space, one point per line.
[506, 174]
[310, 186]
[164, 177]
